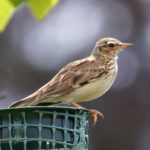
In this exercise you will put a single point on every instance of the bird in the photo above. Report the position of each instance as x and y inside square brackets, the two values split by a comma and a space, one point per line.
[82, 80]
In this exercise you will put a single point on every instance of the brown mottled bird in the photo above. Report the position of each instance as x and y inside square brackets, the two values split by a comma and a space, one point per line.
[81, 80]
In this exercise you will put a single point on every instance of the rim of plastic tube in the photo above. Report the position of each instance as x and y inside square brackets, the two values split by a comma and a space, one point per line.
[45, 107]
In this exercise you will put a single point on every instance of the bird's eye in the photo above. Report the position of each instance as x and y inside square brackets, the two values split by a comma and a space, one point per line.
[111, 44]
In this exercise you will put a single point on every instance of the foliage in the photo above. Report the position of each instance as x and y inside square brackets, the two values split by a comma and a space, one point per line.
[39, 8]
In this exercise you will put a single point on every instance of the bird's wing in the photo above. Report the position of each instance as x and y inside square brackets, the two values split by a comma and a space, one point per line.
[72, 76]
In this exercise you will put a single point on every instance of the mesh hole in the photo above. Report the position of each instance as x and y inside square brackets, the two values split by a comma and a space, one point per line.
[60, 121]
[61, 147]
[59, 135]
[4, 119]
[19, 145]
[32, 117]
[46, 133]
[32, 132]
[78, 137]
[4, 133]
[46, 145]
[32, 145]
[17, 132]
[16, 117]
[78, 123]
[5, 146]
[70, 137]
[70, 123]
[47, 119]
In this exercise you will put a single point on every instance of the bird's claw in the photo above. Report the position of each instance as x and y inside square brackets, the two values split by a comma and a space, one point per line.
[94, 115]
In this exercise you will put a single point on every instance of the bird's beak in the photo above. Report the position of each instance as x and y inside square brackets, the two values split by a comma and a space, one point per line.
[125, 45]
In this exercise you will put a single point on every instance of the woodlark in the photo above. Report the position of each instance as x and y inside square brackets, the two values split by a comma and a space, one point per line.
[82, 80]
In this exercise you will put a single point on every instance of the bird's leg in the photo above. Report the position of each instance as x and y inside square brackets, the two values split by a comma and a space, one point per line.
[94, 112]
[76, 105]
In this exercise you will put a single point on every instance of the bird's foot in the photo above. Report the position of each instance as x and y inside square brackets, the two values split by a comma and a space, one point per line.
[96, 113]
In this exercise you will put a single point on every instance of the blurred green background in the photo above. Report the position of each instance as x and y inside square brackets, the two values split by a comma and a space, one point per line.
[32, 52]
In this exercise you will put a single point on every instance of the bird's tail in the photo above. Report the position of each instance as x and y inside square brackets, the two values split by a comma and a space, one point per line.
[29, 101]
[18, 103]
[23, 102]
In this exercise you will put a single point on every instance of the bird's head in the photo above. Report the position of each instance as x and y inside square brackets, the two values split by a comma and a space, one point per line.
[109, 46]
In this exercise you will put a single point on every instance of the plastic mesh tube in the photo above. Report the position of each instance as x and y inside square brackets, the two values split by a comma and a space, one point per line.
[44, 128]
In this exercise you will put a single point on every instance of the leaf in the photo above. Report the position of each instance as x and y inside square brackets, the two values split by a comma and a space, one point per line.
[17, 2]
[6, 12]
[40, 8]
